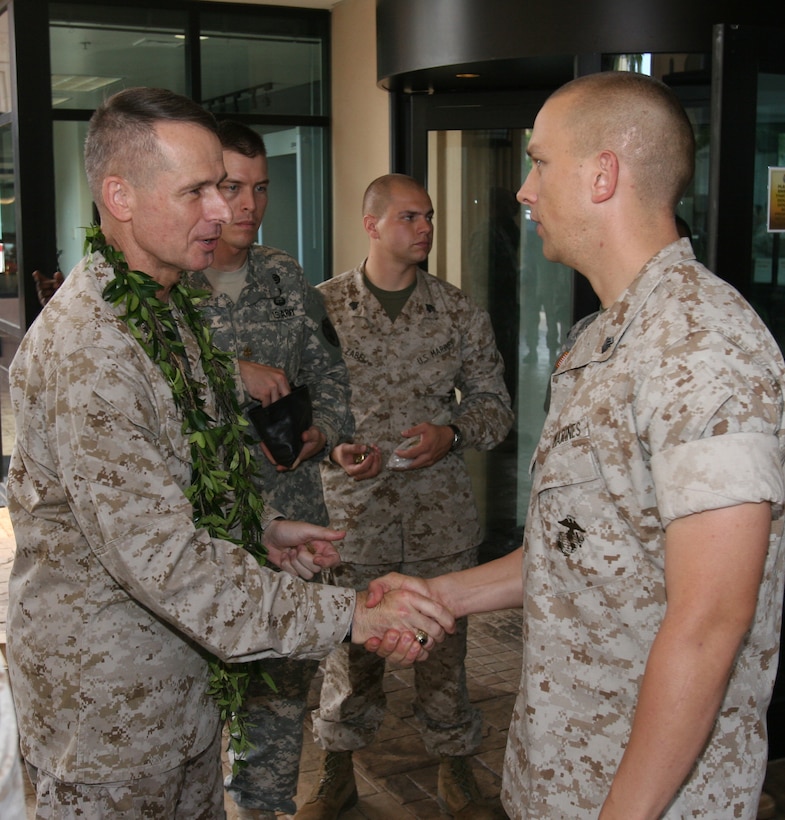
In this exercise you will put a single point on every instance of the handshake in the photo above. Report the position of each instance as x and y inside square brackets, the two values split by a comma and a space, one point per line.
[397, 617]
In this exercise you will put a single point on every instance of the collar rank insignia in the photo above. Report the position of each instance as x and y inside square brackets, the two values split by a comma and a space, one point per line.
[430, 309]
[354, 305]
[569, 541]
[607, 343]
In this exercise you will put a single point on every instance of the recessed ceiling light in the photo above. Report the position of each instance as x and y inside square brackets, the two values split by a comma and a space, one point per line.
[467, 76]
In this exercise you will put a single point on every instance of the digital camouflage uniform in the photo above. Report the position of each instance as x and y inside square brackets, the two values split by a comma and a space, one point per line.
[403, 373]
[670, 403]
[113, 591]
[280, 320]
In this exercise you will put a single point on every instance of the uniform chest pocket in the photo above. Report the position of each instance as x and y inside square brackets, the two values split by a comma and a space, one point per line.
[436, 375]
[586, 544]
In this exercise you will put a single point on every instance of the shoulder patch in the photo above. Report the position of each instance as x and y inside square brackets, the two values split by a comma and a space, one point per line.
[329, 332]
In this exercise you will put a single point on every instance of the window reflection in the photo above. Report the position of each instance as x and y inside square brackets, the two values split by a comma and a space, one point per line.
[96, 51]
[261, 75]
[257, 65]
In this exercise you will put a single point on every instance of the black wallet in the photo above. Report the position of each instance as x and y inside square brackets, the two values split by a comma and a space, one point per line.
[281, 424]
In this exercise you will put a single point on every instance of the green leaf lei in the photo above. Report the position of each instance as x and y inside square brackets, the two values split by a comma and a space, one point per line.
[222, 490]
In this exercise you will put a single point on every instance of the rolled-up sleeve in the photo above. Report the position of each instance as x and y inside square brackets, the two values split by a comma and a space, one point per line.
[717, 472]
[710, 415]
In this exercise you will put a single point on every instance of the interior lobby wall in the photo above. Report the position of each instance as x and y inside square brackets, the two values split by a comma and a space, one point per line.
[360, 126]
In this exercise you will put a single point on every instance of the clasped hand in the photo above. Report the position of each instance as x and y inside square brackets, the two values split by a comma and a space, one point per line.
[300, 548]
[387, 616]
[387, 622]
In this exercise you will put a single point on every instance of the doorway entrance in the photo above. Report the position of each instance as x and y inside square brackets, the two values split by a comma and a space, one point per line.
[486, 244]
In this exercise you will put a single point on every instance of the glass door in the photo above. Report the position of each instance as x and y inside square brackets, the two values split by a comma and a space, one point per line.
[485, 243]
[470, 150]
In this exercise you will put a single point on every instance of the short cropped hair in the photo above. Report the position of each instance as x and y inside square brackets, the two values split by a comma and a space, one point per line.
[379, 193]
[241, 139]
[121, 137]
[642, 121]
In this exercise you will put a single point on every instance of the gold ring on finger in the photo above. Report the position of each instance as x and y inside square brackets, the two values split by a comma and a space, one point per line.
[421, 637]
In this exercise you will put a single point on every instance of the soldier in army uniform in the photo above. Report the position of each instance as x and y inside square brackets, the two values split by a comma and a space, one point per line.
[263, 310]
[650, 644]
[117, 599]
[411, 342]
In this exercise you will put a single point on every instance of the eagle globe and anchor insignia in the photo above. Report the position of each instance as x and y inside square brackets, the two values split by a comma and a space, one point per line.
[573, 538]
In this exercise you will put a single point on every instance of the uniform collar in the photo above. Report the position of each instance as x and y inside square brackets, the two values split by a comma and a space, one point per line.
[599, 340]
[423, 304]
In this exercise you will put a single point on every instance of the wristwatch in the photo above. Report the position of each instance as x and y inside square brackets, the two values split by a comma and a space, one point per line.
[457, 437]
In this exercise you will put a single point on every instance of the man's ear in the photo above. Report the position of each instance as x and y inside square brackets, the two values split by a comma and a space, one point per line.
[118, 196]
[606, 176]
[369, 223]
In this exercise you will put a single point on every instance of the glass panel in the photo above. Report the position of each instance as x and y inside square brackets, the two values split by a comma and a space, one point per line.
[73, 201]
[249, 68]
[10, 332]
[689, 75]
[5, 66]
[767, 292]
[96, 51]
[473, 179]
[294, 220]
[8, 269]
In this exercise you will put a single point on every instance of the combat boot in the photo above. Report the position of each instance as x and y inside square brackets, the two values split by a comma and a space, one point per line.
[458, 792]
[335, 791]
[244, 813]
[767, 807]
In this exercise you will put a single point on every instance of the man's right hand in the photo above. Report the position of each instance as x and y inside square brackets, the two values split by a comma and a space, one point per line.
[359, 461]
[391, 625]
[264, 383]
[378, 589]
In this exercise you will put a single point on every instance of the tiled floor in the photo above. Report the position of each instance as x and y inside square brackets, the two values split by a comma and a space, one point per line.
[396, 778]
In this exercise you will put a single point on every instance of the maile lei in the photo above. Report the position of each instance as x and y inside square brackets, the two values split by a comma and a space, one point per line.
[222, 490]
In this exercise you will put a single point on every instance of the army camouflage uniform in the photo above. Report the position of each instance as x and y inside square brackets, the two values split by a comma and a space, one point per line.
[114, 592]
[670, 403]
[280, 320]
[403, 373]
